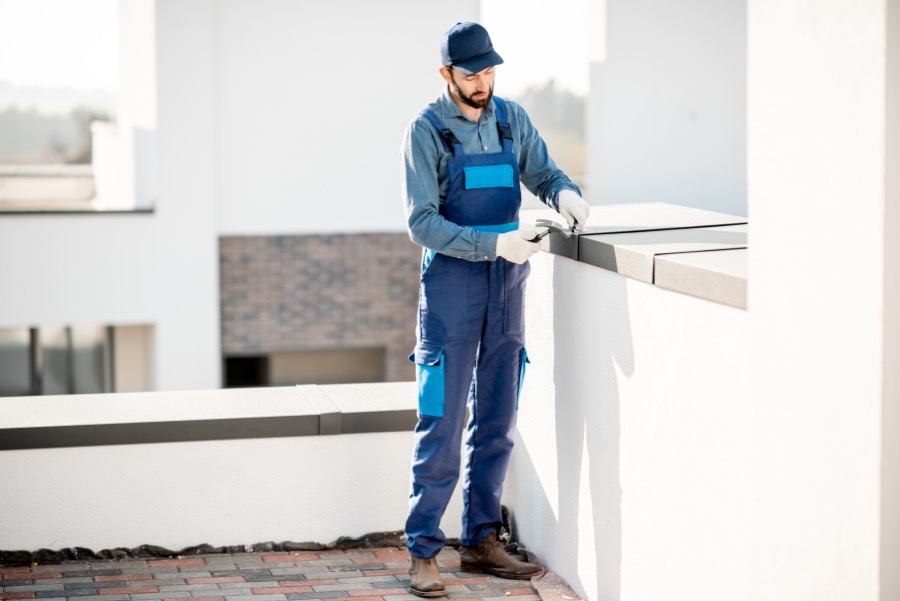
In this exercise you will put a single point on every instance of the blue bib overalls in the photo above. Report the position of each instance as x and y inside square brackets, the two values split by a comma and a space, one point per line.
[470, 352]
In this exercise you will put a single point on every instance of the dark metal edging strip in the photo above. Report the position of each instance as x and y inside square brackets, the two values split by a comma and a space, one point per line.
[54, 437]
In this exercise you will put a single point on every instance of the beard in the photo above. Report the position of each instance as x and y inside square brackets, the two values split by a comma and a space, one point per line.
[469, 100]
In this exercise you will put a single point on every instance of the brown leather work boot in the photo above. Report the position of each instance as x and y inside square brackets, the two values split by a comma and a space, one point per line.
[489, 557]
[424, 578]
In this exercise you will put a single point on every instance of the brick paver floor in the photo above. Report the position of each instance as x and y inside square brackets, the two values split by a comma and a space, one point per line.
[361, 575]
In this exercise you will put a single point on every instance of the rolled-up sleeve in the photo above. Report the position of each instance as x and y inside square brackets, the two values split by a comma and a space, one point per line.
[539, 172]
[421, 159]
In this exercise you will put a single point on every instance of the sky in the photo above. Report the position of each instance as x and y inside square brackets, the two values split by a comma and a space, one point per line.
[59, 43]
[73, 43]
[539, 40]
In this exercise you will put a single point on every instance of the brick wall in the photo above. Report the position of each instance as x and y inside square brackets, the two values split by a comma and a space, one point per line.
[298, 293]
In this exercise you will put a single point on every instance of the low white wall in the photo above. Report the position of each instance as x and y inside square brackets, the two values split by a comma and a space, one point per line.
[230, 492]
[313, 488]
[628, 475]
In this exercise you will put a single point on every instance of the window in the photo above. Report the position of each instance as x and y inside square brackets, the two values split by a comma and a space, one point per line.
[74, 360]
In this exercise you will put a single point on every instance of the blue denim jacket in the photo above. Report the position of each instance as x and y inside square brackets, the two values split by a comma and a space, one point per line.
[425, 174]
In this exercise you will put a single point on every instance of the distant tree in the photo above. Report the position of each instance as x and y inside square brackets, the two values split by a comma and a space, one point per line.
[559, 116]
[31, 137]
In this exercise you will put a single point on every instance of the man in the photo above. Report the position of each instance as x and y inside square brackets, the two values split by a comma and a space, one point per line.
[463, 158]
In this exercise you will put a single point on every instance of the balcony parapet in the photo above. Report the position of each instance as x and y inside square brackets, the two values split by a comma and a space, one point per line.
[45, 422]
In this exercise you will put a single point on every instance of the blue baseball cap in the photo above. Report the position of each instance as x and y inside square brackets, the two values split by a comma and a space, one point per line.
[467, 48]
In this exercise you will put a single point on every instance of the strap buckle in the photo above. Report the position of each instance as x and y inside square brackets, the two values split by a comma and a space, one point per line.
[505, 131]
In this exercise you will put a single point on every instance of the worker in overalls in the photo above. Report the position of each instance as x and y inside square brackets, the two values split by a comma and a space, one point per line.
[463, 158]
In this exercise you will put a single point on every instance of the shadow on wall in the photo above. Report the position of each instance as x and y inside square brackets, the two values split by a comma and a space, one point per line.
[593, 343]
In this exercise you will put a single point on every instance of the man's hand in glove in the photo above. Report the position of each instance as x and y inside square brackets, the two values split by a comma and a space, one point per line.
[515, 246]
[573, 208]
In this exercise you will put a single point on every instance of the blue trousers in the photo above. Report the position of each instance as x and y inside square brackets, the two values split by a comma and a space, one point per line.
[470, 355]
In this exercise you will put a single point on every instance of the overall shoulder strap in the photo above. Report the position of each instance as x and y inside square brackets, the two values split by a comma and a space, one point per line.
[503, 124]
[451, 142]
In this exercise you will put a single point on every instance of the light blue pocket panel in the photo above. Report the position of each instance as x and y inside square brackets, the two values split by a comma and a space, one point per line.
[523, 360]
[429, 360]
[489, 176]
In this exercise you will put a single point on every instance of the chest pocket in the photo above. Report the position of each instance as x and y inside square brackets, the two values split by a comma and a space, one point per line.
[489, 176]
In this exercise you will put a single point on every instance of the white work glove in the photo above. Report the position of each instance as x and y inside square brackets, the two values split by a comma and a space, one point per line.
[573, 208]
[515, 246]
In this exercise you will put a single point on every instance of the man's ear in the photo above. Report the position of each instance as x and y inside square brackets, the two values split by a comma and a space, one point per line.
[445, 73]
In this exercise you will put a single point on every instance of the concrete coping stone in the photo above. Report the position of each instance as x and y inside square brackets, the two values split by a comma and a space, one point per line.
[692, 251]
[196, 415]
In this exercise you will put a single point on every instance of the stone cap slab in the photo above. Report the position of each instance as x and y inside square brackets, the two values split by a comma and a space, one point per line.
[634, 253]
[635, 239]
[722, 275]
[184, 416]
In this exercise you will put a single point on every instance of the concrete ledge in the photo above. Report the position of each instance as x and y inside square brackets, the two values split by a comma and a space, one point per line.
[721, 275]
[141, 418]
[640, 240]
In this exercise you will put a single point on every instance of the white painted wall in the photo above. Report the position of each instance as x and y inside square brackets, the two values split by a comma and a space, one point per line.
[698, 452]
[159, 269]
[667, 108]
[817, 172]
[311, 103]
[628, 478]
[890, 431]
[281, 489]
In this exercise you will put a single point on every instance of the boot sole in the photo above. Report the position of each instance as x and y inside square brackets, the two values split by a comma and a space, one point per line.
[474, 568]
[426, 594]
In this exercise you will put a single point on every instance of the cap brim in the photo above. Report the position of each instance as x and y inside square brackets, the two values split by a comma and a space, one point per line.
[479, 63]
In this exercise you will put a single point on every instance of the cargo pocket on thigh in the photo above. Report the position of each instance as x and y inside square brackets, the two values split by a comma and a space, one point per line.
[429, 360]
[523, 361]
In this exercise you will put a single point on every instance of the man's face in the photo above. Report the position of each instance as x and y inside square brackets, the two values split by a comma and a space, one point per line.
[475, 90]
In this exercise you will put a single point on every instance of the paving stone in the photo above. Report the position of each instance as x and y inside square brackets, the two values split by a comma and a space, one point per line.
[308, 582]
[247, 574]
[323, 595]
[214, 580]
[188, 587]
[255, 598]
[379, 592]
[363, 566]
[397, 565]
[69, 593]
[28, 588]
[149, 570]
[340, 587]
[195, 572]
[122, 577]
[359, 554]
[246, 585]
[519, 598]
[92, 585]
[282, 590]
[407, 597]
[396, 582]
[353, 568]
[183, 561]
[166, 581]
[158, 596]
[367, 579]
[341, 574]
[385, 572]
